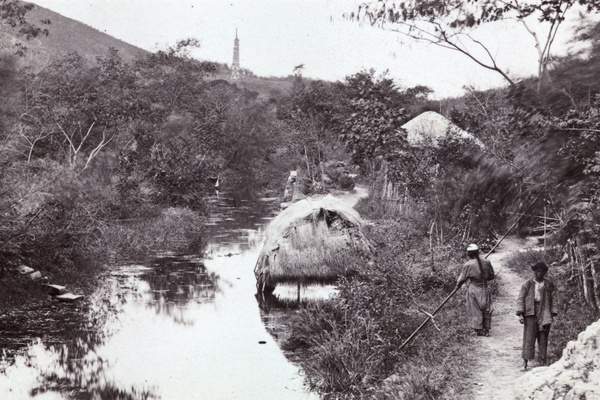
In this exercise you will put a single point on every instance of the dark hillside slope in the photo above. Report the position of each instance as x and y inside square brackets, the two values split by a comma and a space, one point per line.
[67, 35]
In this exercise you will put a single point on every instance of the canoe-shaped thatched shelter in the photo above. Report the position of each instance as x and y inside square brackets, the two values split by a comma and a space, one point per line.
[310, 241]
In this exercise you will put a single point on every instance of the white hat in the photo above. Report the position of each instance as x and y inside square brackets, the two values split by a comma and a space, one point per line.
[472, 247]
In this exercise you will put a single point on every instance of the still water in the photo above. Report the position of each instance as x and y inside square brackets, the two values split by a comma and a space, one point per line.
[182, 327]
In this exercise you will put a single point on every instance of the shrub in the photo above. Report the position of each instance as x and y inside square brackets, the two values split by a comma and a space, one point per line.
[350, 345]
[173, 229]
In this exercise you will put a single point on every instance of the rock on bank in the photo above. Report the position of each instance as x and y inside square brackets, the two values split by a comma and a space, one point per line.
[575, 376]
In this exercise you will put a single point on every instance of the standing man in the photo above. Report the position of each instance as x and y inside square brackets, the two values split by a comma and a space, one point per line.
[477, 273]
[536, 307]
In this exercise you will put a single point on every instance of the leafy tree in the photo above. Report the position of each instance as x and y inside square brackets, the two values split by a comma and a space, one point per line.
[372, 128]
[573, 83]
[172, 77]
[74, 111]
[375, 109]
[311, 112]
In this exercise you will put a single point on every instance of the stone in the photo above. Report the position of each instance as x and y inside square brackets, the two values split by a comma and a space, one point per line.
[69, 297]
[55, 290]
[544, 394]
[23, 269]
[35, 276]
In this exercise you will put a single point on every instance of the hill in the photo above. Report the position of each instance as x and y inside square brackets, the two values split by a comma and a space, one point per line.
[68, 35]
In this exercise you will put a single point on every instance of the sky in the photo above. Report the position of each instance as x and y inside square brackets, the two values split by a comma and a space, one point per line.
[277, 35]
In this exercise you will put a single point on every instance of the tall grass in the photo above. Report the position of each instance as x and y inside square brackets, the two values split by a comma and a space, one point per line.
[350, 346]
[173, 229]
[70, 225]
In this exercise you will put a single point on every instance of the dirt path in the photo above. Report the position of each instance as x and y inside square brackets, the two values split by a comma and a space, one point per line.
[498, 357]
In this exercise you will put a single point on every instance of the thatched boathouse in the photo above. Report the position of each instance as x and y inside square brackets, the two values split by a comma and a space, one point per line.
[310, 241]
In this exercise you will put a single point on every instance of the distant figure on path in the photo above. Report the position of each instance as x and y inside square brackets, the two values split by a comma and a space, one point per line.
[536, 307]
[477, 272]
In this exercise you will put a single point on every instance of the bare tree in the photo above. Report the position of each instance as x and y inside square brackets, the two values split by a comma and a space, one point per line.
[76, 145]
[451, 24]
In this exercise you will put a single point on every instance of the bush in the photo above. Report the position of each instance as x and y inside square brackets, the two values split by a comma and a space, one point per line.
[173, 229]
[350, 345]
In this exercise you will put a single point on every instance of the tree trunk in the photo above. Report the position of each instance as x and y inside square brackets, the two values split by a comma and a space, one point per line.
[587, 279]
[595, 284]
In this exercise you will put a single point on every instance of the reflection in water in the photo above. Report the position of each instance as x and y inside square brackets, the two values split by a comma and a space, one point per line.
[183, 327]
[171, 283]
[286, 298]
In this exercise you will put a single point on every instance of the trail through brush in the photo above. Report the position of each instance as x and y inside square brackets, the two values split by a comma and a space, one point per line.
[456, 288]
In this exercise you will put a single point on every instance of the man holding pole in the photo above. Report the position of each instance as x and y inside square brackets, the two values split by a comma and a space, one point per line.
[477, 272]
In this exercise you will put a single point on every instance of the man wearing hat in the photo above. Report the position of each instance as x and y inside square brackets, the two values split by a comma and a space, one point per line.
[477, 273]
[536, 307]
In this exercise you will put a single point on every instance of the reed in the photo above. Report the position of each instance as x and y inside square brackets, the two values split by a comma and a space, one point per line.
[174, 229]
[349, 346]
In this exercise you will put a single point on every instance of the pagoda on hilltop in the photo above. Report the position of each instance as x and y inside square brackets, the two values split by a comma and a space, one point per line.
[235, 66]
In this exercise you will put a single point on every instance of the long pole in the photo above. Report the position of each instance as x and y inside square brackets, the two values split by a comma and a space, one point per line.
[455, 289]
[505, 235]
[428, 318]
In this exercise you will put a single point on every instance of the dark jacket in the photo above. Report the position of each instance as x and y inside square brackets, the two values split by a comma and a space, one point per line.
[548, 301]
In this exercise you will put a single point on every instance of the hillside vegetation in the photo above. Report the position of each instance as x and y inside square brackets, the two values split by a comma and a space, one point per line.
[537, 173]
[103, 158]
[66, 35]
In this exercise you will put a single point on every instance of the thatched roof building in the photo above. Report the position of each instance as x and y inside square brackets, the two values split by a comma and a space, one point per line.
[310, 241]
[430, 127]
[426, 130]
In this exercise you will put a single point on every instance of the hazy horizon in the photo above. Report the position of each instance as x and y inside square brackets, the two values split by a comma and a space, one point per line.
[312, 33]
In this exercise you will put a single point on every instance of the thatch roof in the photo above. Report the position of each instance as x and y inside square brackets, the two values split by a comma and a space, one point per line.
[311, 240]
[431, 127]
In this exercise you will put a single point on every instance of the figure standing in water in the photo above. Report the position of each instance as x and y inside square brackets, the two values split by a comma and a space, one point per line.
[536, 307]
[477, 272]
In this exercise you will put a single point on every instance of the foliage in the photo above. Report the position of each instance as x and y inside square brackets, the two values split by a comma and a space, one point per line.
[310, 113]
[351, 343]
[12, 20]
[364, 113]
[574, 314]
[107, 160]
[374, 116]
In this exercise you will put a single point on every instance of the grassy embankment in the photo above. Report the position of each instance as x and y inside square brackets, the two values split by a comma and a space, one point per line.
[349, 346]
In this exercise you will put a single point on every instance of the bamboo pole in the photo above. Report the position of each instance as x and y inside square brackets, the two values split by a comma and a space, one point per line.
[455, 289]
[428, 318]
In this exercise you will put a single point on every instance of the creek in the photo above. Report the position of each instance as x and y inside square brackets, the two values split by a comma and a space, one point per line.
[184, 326]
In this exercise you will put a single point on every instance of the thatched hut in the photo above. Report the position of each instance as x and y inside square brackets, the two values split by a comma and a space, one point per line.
[427, 129]
[310, 241]
[430, 127]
